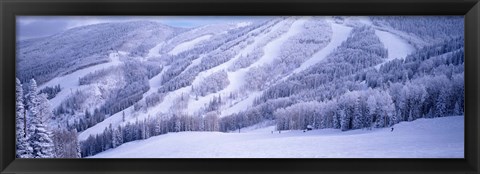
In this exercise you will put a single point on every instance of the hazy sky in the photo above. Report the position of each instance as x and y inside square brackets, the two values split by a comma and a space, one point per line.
[39, 26]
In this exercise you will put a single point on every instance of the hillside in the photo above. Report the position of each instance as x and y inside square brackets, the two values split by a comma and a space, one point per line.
[80, 47]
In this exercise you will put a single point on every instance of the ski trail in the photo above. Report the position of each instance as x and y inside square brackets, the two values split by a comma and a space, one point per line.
[271, 52]
[155, 82]
[272, 49]
[188, 44]
[396, 46]
[69, 82]
[235, 78]
[155, 51]
[339, 35]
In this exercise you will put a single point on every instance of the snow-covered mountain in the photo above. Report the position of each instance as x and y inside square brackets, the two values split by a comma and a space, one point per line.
[120, 82]
[81, 47]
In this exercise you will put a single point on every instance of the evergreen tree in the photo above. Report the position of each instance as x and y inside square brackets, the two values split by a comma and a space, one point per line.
[441, 105]
[344, 120]
[358, 118]
[23, 148]
[32, 107]
[117, 138]
[40, 138]
[77, 144]
[44, 111]
[41, 142]
[457, 110]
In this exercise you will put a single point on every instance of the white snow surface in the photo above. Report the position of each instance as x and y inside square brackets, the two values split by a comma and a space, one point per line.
[155, 51]
[69, 83]
[423, 138]
[397, 47]
[243, 24]
[188, 45]
[242, 104]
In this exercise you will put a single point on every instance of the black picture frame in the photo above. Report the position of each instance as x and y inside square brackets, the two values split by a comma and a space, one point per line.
[10, 8]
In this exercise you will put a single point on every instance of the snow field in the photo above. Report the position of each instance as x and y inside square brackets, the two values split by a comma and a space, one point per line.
[423, 138]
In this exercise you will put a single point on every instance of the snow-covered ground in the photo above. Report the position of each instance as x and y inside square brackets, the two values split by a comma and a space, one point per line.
[243, 24]
[155, 51]
[241, 105]
[69, 83]
[397, 47]
[422, 138]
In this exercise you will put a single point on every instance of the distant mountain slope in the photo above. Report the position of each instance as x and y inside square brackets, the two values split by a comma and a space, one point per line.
[421, 31]
[48, 57]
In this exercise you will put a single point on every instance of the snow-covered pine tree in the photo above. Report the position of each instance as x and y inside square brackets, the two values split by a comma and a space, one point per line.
[117, 138]
[387, 107]
[344, 120]
[358, 118]
[77, 145]
[23, 148]
[336, 119]
[441, 104]
[32, 107]
[44, 111]
[41, 142]
[457, 110]
[40, 138]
